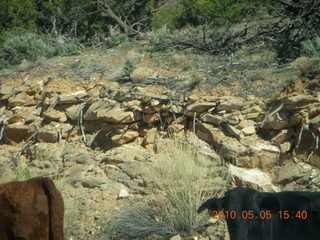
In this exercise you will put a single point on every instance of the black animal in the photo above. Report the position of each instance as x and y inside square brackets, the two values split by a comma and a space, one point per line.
[268, 216]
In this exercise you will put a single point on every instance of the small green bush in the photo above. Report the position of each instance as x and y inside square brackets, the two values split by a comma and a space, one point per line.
[312, 47]
[18, 16]
[116, 37]
[129, 67]
[195, 81]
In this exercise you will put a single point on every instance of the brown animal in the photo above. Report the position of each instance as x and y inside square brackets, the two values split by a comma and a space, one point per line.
[31, 210]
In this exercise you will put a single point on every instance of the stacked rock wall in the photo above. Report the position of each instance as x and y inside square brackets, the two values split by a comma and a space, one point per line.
[247, 132]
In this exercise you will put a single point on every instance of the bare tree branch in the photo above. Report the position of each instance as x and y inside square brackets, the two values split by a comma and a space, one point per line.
[107, 11]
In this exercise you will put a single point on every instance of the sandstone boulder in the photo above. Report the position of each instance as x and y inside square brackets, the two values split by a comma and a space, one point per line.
[252, 112]
[124, 153]
[92, 182]
[249, 130]
[55, 115]
[216, 120]
[6, 91]
[123, 193]
[117, 115]
[230, 104]
[262, 153]
[17, 132]
[289, 172]
[150, 137]
[48, 134]
[253, 178]
[234, 132]
[275, 121]
[73, 112]
[298, 99]
[16, 118]
[95, 108]
[21, 99]
[199, 108]
[72, 98]
[285, 147]
[126, 137]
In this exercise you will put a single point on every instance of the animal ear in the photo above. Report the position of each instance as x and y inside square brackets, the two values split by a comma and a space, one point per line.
[213, 204]
[269, 203]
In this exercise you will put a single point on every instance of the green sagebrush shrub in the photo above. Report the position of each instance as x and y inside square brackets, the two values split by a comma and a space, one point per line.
[116, 37]
[312, 47]
[18, 47]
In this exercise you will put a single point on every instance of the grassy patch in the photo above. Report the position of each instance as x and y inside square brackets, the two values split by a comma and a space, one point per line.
[23, 173]
[72, 212]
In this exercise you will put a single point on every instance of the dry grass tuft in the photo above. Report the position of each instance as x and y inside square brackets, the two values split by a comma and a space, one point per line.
[306, 65]
[186, 178]
[182, 178]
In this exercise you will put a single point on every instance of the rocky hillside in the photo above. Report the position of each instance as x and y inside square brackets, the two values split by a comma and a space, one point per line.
[96, 136]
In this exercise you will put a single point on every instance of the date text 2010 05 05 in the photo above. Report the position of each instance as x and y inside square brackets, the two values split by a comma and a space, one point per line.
[285, 214]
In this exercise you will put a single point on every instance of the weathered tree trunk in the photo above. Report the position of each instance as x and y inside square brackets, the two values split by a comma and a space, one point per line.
[107, 11]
